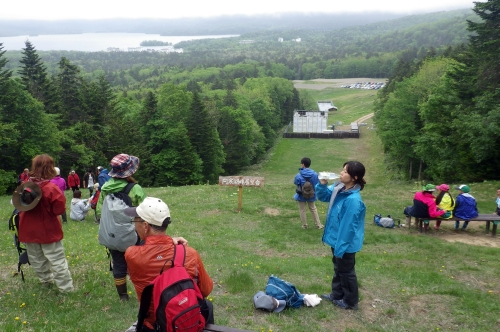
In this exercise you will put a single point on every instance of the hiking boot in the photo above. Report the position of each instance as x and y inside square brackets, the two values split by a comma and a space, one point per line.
[327, 297]
[122, 292]
[320, 227]
[304, 226]
[343, 305]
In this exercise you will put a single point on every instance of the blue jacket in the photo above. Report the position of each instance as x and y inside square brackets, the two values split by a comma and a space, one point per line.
[103, 177]
[345, 221]
[465, 207]
[300, 180]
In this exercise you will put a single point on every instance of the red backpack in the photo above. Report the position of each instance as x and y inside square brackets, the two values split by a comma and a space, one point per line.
[176, 299]
[95, 199]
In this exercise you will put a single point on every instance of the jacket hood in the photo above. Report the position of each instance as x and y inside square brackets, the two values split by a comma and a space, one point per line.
[75, 200]
[113, 185]
[306, 172]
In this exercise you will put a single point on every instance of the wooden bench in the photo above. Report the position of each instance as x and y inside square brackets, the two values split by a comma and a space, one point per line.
[208, 328]
[482, 217]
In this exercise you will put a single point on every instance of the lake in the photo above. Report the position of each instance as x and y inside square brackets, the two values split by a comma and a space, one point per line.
[93, 42]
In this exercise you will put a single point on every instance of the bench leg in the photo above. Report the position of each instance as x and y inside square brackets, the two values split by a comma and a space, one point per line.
[487, 227]
[494, 231]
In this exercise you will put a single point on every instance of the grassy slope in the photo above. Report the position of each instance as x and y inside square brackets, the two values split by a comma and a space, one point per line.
[407, 281]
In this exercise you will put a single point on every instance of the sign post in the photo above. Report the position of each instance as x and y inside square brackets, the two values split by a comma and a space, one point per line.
[240, 182]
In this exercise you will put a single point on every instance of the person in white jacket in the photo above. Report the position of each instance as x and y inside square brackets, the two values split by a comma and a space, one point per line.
[79, 207]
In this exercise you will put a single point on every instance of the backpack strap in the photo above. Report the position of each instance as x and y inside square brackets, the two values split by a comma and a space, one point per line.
[128, 187]
[179, 255]
[147, 295]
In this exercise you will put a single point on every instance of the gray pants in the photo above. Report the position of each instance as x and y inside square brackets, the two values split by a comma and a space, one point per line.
[50, 265]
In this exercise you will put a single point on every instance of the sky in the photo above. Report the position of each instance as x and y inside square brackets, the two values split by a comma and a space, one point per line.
[99, 9]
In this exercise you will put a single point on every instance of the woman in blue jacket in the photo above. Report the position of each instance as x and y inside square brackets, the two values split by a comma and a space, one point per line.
[344, 231]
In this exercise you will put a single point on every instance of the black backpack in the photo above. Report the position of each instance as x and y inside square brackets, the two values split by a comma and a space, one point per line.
[23, 254]
[306, 190]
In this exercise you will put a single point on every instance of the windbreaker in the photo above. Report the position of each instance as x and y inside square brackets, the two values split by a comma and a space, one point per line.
[465, 207]
[446, 204]
[145, 261]
[103, 177]
[300, 180]
[79, 209]
[345, 222]
[115, 185]
[41, 224]
[73, 180]
[424, 206]
[60, 182]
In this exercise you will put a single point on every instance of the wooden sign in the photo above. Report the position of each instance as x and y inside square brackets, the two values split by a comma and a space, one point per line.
[241, 181]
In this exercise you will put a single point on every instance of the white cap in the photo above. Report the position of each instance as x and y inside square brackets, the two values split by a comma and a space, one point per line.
[58, 171]
[152, 210]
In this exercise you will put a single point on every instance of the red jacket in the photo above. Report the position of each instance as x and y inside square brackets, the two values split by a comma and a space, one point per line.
[73, 180]
[144, 263]
[24, 177]
[41, 224]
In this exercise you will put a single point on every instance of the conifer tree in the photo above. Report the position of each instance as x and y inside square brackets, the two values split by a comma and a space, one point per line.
[69, 84]
[205, 140]
[34, 78]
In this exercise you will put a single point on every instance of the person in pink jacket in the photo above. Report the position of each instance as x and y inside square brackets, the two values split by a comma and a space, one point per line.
[61, 183]
[424, 205]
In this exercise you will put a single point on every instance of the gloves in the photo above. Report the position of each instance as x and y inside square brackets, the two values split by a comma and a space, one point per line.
[446, 215]
[311, 300]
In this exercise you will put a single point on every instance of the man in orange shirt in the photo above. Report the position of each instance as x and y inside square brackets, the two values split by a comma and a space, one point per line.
[145, 261]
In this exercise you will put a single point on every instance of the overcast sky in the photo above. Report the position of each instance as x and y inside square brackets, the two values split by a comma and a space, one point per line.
[96, 9]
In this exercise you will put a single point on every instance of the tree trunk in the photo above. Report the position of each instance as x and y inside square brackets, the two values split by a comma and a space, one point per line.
[420, 171]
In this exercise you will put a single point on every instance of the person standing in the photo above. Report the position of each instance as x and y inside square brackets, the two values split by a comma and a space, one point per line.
[123, 167]
[88, 181]
[465, 207]
[24, 176]
[41, 229]
[344, 231]
[306, 173]
[102, 176]
[73, 180]
[151, 219]
[61, 183]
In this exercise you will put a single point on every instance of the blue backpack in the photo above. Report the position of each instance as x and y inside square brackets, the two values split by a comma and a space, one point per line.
[283, 290]
[387, 222]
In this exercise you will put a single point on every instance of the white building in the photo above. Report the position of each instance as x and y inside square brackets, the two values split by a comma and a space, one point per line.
[280, 39]
[310, 121]
[326, 106]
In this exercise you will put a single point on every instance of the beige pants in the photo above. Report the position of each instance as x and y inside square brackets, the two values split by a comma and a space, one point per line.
[312, 208]
[50, 265]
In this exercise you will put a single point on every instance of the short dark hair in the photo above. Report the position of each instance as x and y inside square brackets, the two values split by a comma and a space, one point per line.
[77, 194]
[356, 169]
[161, 228]
[306, 162]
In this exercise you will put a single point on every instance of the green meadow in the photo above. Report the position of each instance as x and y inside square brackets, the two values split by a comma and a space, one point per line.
[440, 281]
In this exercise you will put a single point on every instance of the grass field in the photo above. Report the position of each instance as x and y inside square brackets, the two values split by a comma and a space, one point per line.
[408, 281]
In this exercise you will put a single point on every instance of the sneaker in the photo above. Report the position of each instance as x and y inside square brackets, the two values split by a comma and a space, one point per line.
[304, 226]
[320, 227]
[343, 305]
[436, 228]
[327, 297]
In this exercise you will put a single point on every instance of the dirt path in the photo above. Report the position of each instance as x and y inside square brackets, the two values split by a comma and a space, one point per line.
[475, 235]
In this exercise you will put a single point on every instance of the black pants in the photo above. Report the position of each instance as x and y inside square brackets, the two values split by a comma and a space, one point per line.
[207, 310]
[345, 282]
[119, 264]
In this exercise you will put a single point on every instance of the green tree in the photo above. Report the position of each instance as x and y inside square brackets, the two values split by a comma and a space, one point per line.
[69, 83]
[205, 139]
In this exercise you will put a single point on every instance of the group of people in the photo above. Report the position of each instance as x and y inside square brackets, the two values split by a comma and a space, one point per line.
[41, 229]
[344, 228]
[443, 206]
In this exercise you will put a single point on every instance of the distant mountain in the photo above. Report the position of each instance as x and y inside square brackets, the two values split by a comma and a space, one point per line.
[238, 24]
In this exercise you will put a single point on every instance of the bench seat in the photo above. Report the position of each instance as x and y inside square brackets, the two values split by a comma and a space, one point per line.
[488, 218]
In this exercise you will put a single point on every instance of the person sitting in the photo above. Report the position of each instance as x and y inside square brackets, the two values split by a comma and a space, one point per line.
[79, 207]
[424, 206]
[445, 202]
[151, 219]
[466, 206]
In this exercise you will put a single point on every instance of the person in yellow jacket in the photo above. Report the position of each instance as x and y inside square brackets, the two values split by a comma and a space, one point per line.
[445, 202]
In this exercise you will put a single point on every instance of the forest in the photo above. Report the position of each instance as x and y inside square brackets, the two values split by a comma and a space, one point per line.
[220, 105]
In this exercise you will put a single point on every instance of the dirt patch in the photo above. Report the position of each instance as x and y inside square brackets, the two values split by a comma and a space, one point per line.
[215, 212]
[272, 212]
[474, 235]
